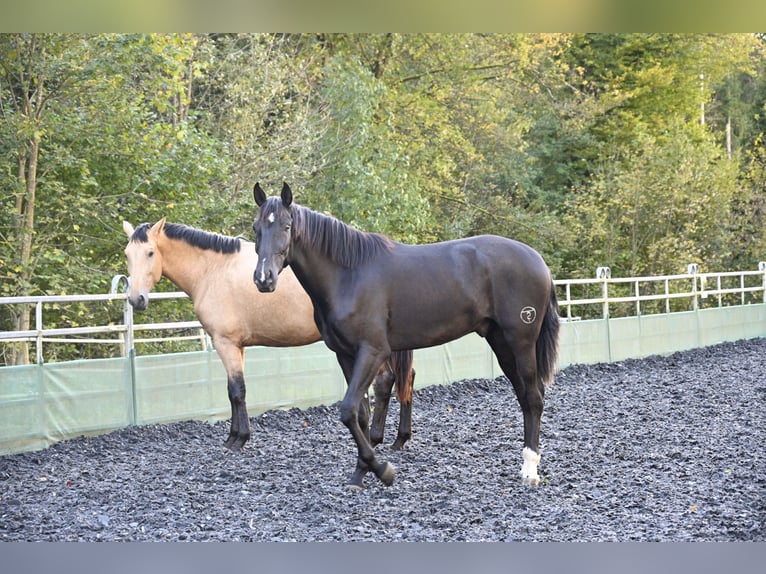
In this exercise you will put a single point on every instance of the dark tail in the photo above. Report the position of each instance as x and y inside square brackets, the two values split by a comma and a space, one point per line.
[548, 340]
[404, 375]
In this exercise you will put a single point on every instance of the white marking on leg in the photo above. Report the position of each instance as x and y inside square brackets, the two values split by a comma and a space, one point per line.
[529, 466]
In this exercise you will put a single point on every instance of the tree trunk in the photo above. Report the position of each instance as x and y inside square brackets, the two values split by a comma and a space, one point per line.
[22, 318]
[31, 108]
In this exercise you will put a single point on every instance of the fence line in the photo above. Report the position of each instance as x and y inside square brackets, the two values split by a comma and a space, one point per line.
[682, 292]
[50, 401]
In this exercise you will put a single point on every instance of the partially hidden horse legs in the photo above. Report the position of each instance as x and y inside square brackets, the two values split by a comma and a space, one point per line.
[405, 425]
[383, 384]
[396, 371]
[404, 377]
[355, 415]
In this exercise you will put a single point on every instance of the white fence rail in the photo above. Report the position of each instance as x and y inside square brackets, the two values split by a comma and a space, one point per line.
[601, 297]
[692, 290]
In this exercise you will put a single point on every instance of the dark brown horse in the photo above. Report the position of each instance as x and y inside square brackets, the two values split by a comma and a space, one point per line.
[216, 272]
[372, 296]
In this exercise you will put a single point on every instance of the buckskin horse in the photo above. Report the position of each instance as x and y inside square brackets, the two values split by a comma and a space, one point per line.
[215, 271]
[372, 296]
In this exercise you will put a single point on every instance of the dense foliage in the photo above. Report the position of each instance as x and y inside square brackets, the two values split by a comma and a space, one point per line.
[642, 152]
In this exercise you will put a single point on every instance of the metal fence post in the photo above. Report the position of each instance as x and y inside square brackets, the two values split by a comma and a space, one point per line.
[762, 268]
[604, 273]
[693, 269]
[39, 327]
[129, 347]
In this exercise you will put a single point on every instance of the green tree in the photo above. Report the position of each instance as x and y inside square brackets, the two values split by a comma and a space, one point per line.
[659, 186]
[667, 205]
[258, 98]
[365, 180]
[99, 128]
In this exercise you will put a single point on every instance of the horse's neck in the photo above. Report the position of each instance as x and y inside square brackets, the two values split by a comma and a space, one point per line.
[317, 275]
[187, 266]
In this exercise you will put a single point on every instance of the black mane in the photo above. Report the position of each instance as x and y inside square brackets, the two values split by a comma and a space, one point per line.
[340, 242]
[195, 237]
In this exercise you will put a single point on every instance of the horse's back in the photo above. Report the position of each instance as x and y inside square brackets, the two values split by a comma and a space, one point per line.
[480, 259]
[452, 288]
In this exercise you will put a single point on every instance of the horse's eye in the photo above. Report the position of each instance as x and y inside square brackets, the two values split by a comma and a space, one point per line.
[151, 254]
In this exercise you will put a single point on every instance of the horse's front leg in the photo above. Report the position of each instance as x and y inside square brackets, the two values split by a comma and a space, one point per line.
[346, 363]
[234, 362]
[357, 479]
[365, 366]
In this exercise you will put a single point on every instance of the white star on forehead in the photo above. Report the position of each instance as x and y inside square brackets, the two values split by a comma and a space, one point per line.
[271, 217]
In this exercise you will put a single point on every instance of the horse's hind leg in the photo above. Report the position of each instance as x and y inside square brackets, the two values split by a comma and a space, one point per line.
[518, 361]
[383, 384]
[233, 359]
[405, 383]
[405, 425]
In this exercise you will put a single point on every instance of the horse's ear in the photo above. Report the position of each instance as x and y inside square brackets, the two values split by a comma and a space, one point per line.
[127, 228]
[259, 195]
[287, 195]
[157, 227]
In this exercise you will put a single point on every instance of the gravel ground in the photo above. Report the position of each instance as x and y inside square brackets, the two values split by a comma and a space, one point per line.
[660, 449]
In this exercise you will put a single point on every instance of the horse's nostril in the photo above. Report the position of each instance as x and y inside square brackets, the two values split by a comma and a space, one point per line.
[139, 302]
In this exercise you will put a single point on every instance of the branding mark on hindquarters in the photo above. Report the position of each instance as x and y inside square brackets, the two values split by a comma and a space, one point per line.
[528, 315]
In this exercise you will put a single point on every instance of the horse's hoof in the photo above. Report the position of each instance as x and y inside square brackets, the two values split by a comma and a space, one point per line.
[528, 470]
[387, 475]
[530, 480]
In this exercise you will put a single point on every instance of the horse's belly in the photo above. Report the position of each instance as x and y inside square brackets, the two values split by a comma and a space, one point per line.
[420, 330]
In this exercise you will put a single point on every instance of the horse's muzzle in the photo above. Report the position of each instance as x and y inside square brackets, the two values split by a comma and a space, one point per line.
[265, 281]
[139, 302]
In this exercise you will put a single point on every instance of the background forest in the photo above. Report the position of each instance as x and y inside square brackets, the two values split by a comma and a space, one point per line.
[641, 152]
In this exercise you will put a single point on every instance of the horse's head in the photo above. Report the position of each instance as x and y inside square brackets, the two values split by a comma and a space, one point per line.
[144, 261]
[273, 236]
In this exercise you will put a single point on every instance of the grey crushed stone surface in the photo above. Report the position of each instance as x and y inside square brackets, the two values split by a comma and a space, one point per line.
[660, 449]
